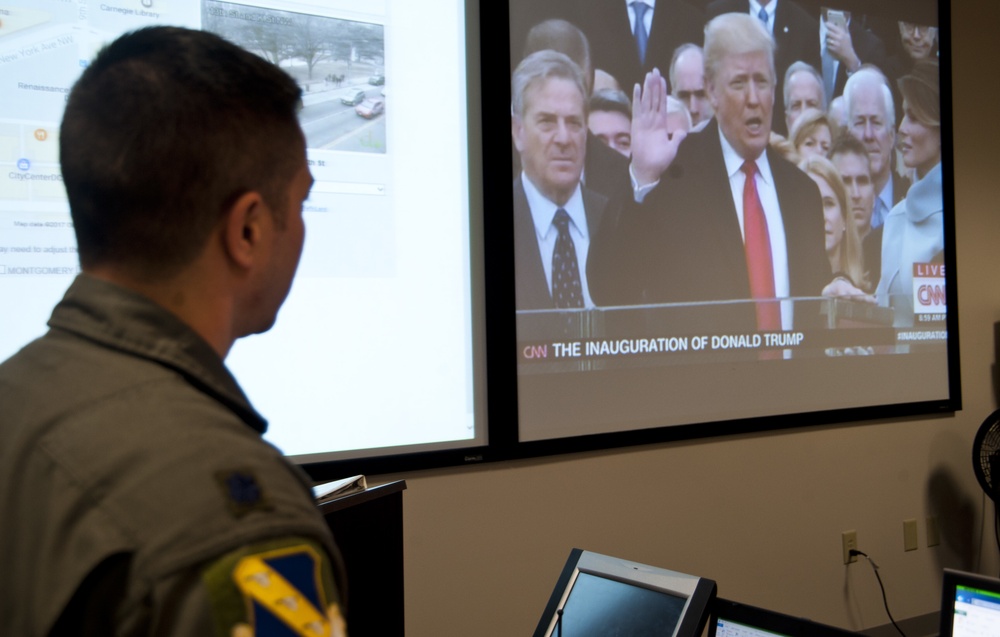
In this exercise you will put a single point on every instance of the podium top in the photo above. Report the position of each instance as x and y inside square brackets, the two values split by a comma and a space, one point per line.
[371, 493]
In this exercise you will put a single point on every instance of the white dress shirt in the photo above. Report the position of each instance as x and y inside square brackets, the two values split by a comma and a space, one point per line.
[543, 212]
[768, 195]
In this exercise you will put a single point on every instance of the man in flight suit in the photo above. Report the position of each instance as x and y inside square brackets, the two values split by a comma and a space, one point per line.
[138, 497]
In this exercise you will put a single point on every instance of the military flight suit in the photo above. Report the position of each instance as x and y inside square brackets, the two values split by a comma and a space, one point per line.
[136, 490]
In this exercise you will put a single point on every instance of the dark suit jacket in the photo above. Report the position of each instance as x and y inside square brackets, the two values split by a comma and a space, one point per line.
[796, 37]
[867, 46]
[871, 248]
[605, 170]
[683, 244]
[531, 288]
[612, 45]
[606, 25]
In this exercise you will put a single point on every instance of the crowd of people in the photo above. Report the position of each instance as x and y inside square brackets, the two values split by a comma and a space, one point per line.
[676, 152]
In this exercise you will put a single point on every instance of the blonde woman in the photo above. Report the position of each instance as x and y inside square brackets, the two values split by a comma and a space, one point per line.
[812, 134]
[843, 246]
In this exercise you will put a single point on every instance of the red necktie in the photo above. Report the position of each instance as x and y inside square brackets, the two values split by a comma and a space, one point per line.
[758, 252]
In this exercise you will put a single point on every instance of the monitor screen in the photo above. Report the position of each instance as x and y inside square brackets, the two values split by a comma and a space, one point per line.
[668, 312]
[970, 605]
[599, 606]
[374, 351]
[599, 595]
[734, 619]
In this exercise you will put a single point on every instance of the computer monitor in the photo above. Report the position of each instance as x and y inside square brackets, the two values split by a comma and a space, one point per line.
[970, 605]
[599, 595]
[733, 619]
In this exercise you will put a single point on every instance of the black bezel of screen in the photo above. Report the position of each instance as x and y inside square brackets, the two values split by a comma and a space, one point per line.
[768, 621]
[951, 580]
[498, 300]
[695, 610]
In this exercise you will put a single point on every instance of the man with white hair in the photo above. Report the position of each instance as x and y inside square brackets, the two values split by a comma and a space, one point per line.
[554, 215]
[605, 170]
[871, 118]
[724, 217]
[687, 84]
[803, 90]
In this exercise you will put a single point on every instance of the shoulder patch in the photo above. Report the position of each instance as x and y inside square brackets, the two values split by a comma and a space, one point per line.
[277, 589]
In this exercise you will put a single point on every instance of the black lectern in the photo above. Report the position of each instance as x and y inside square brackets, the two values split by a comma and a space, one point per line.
[368, 527]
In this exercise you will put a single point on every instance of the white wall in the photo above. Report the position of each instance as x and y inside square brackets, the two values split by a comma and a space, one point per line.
[762, 514]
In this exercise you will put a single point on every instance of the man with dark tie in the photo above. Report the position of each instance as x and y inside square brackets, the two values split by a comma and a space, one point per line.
[724, 217]
[605, 170]
[628, 38]
[554, 215]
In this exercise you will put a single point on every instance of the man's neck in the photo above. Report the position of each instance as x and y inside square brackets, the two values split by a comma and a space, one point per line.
[731, 154]
[185, 296]
[559, 198]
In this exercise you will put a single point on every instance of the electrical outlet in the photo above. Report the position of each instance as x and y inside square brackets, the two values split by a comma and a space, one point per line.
[849, 541]
[910, 535]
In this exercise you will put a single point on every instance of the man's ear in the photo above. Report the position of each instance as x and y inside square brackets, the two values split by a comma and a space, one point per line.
[516, 131]
[242, 230]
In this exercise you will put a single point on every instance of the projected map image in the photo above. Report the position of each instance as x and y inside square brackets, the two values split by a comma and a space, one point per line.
[378, 201]
[44, 45]
[29, 158]
[339, 64]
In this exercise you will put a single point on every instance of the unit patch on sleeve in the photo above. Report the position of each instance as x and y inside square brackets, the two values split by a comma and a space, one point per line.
[275, 592]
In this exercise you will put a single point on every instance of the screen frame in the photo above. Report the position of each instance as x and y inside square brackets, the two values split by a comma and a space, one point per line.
[768, 620]
[498, 305]
[951, 580]
[697, 592]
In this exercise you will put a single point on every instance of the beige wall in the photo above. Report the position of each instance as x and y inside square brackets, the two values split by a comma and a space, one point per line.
[761, 514]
